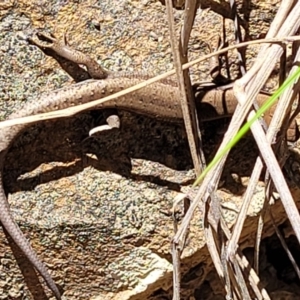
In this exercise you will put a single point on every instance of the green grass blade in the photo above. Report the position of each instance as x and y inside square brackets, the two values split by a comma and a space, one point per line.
[269, 103]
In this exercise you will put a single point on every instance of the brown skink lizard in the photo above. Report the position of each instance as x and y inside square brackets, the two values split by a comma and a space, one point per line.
[159, 100]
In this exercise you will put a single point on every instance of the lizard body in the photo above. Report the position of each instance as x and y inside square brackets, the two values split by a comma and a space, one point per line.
[159, 100]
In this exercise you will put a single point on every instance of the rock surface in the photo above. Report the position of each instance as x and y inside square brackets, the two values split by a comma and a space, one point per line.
[98, 210]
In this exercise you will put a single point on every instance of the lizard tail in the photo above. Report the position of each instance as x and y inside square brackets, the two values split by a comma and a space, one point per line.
[18, 237]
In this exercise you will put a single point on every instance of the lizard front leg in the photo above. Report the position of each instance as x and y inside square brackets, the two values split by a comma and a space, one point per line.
[61, 49]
